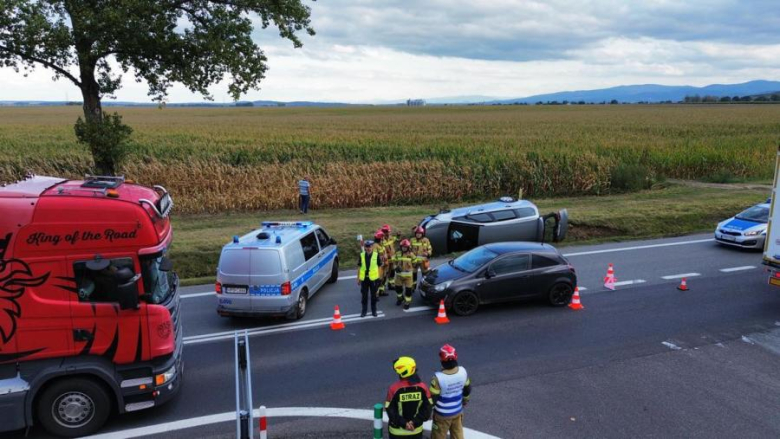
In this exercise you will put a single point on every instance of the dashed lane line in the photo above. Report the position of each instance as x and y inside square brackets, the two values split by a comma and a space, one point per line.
[680, 276]
[629, 282]
[733, 269]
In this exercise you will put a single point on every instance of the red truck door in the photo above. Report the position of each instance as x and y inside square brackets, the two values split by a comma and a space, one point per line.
[100, 327]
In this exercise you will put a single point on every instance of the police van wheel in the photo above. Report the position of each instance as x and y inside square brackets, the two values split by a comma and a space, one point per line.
[300, 306]
[74, 407]
[334, 273]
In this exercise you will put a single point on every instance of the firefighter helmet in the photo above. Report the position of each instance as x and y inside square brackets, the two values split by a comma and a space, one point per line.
[447, 353]
[420, 230]
[379, 235]
[405, 367]
[386, 229]
[406, 243]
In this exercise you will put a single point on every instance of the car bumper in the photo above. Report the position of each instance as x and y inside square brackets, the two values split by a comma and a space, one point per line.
[431, 296]
[135, 398]
[751, 242]
[254, 306]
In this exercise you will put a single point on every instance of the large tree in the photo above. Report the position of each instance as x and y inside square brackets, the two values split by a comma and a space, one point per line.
[92, 43]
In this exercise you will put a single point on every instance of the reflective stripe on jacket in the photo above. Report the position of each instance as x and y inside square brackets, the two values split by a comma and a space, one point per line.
[449, 392]
[373, 270]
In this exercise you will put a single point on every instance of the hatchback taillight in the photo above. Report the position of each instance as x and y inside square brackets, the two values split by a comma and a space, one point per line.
[218, 288]
[286, 289]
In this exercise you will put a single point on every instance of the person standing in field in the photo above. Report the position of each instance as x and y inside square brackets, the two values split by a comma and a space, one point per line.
[304, 194]
[451, 389]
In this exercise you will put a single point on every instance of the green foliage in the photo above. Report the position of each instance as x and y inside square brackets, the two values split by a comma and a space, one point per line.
[107, 140]
[630, 177]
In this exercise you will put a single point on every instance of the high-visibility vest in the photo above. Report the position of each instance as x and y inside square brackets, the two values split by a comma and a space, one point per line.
[373, 270]
[450, 401]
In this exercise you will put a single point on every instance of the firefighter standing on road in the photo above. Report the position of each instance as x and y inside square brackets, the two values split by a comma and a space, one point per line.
[389, 243]
[408, 403]
[451, 389]
[421, 246]
[405, 263]
[379, 247]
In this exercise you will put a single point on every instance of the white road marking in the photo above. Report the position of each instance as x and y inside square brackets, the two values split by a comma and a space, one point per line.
[680, 276]
[747, 340]
[640, 247]
[629, 282]
[318, 323]
[282, 412]
[582, 288]
[733, 269]
[190, 296]
[671, 346]
[420, 308]
[354, 276]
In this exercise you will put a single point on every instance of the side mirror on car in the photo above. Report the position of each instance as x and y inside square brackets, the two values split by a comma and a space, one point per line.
[489, 273]
[332, 241]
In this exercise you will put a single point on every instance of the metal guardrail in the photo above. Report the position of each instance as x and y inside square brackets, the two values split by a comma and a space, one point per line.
[244, 428]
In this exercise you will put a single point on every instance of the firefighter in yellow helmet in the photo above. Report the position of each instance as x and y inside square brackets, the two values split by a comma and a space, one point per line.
[405, 263]
[408, 402]
[421, 246]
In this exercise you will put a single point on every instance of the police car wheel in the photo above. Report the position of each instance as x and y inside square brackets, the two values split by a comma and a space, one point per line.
[300, 306]
[74, 407]
[334, 273]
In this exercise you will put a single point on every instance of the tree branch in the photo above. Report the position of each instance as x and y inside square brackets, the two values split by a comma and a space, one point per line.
[43, 62]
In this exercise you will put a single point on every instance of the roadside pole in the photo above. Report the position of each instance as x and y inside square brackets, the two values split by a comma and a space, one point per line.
[244, 424]
[378, 421]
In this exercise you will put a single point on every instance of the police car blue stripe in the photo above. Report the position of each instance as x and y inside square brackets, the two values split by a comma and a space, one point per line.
[276, 290]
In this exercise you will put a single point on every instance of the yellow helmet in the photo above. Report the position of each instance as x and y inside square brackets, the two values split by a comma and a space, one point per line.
[405, 367]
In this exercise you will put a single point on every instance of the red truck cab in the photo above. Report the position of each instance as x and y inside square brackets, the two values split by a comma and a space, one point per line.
[89, 308]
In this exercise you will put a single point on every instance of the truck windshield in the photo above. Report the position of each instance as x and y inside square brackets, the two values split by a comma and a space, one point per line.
[157, 283]
[759, 214]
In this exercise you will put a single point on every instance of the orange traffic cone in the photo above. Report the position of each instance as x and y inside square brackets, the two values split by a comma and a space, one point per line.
[610, 279]
[683, 285]
[336, 324]
[442, 317]
[575, 300]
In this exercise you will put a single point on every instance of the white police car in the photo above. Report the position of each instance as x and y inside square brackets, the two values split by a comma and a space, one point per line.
[746, 229]
[275, 270]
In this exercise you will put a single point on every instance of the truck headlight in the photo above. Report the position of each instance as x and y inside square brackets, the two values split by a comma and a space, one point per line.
[164, 377]
[443, 286]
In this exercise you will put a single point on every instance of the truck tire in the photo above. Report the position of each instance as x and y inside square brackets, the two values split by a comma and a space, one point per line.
[73, 407]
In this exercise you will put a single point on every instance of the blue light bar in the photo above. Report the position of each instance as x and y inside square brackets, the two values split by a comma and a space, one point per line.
[278, 239]
[303, 224]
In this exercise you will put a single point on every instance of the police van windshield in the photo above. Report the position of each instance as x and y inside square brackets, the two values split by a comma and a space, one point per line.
[157, 283]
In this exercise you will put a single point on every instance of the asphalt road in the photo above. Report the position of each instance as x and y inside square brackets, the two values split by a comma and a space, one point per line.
[645, 360]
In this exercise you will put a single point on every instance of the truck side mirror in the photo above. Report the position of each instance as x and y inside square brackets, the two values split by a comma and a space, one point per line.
[166, 264]
[127, 289]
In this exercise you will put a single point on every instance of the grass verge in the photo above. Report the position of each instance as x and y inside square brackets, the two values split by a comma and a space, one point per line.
[668, 211]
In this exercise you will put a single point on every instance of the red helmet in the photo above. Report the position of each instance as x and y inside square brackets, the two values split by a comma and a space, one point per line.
[447, 353]
[419, 230]
[406, 243]
[386, 229]
[379, 235]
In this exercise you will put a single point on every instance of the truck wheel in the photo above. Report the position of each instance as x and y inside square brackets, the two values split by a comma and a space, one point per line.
[73, 407]
[334, 273]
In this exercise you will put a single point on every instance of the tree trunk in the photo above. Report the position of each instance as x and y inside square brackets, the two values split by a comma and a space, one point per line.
[93, 109]
[93, 118]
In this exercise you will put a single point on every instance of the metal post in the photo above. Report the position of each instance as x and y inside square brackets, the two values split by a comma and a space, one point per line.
[244, 424]
[263, 423]
[378, 421]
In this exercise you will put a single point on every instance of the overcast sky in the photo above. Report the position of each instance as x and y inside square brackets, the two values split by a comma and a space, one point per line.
[386, 50]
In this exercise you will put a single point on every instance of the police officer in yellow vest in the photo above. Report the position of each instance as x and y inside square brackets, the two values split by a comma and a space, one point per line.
[368, 276]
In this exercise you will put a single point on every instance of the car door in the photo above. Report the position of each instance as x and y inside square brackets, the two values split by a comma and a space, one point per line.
[326, 256]
[545, 270]
[506, 278]
[312, 254]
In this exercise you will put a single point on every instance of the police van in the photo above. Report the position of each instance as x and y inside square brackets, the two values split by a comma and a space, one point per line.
[275, 270]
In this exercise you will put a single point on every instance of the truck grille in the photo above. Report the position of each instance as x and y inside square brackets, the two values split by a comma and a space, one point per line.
[172, 304]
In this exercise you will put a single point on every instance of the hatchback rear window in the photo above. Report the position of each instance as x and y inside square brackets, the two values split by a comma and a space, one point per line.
[543, 262]
[234, 261]
[266, 263]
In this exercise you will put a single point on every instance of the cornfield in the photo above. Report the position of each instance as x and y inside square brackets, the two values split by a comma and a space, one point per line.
[233, 159]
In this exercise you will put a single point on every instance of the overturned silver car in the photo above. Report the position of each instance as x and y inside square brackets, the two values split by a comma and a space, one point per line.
[507, 219]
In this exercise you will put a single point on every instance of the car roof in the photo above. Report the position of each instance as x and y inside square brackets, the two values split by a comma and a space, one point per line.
[489, 207]
[279, 234]
[520, 246]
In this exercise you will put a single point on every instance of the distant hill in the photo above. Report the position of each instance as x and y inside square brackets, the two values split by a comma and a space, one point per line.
[650, 93]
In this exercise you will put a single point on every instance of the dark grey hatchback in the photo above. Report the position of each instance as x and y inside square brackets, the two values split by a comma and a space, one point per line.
[501, 272]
